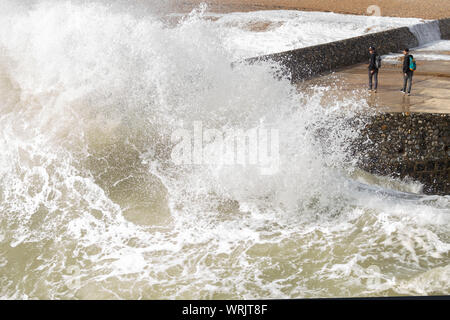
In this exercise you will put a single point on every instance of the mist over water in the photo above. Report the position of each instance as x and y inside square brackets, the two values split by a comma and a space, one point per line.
[92, 205]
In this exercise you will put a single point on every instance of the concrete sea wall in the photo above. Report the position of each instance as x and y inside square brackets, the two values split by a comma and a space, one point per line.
[394, 144]
[408, 145]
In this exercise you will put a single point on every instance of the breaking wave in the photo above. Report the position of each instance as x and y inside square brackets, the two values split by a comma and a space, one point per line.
[92, 205]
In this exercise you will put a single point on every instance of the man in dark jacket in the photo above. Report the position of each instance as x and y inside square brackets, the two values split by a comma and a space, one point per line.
[407, 72]
[373, 68]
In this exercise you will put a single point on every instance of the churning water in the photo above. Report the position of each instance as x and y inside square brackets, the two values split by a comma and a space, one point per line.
[92, 205]
[426, 32]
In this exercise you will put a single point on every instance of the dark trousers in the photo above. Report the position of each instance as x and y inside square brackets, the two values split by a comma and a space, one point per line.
[407, 78]
[371, 76]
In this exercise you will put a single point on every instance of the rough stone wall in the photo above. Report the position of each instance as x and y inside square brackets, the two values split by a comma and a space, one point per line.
[306, 62]
[444, 26]
[408, 145]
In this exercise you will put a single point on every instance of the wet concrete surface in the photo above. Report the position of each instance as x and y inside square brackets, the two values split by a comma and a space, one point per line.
[430, 91]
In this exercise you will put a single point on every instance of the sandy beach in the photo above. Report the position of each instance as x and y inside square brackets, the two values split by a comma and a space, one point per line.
[429, 9]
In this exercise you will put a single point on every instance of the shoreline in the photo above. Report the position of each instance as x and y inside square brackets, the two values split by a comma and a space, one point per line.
[430, 9]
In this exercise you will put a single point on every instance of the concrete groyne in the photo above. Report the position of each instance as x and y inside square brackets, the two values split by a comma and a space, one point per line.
[306, 62]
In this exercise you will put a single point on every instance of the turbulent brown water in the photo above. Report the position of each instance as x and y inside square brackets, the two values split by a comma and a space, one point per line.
[92, 204]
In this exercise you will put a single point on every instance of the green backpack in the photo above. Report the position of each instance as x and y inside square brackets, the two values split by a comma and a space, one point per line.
[412, 64]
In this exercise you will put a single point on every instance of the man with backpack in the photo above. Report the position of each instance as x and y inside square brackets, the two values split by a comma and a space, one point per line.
[409, 66]
[374, 66]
